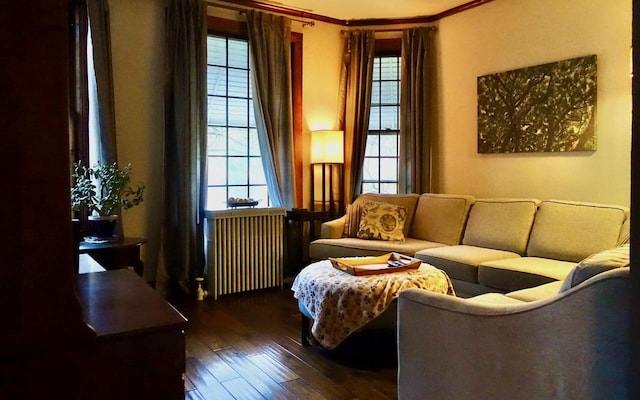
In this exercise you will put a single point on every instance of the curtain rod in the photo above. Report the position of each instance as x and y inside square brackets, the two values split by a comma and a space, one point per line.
[431, 28]
[244, 11]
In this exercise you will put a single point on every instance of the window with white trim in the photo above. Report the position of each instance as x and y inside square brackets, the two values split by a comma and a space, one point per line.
[234, 164]
[381, 160]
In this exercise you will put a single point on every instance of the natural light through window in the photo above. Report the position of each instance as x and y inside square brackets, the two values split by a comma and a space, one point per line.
[380, 169]
[234, 164]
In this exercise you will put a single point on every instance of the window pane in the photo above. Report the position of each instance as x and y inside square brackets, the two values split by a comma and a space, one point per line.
[217, 110]
[370, 187]
[389, 188]
[217, 171]
[239, 192]
[389, 145]
[372, 149]
[374, 119]
[238, 174]
[375, 93]
[238, 54]
[252, 116]
[238, 112]
[216, 197]
[216, 141]
[389, 68]
[238, 83]
[216, 81]
[390, 92]
[238, 141]
[388, 169]
[370, 169]
[256, 172]
[259, 193]
[216, 50]
[254, 145]
[389, 118]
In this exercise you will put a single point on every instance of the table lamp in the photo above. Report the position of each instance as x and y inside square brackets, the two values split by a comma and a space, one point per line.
[327, 150]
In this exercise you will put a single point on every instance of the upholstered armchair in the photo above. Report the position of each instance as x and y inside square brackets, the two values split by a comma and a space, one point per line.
[573, 345]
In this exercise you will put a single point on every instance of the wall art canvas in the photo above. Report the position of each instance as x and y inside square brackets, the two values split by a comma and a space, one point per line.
[544, 108]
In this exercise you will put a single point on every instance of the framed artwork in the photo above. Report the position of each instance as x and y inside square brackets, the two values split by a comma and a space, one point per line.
[544, 108]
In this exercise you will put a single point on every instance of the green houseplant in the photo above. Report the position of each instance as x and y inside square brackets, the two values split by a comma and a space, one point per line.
[100, 190]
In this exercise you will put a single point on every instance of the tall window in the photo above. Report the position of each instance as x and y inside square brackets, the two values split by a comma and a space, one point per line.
[381, 159]
[234, 164]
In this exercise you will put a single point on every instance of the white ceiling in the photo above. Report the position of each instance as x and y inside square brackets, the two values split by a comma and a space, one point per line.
[366, 9]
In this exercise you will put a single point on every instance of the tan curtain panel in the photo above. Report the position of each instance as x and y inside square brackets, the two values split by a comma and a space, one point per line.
[270, 47]
[185, 147]
[417, 110]
[355, 103]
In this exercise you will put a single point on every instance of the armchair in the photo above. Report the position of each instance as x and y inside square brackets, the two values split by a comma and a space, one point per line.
[573, 345]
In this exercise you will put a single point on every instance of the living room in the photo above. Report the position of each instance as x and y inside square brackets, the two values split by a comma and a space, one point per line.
[493, 37]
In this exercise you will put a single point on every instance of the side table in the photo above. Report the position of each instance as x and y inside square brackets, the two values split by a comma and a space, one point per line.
[301, 230]
[117, 254]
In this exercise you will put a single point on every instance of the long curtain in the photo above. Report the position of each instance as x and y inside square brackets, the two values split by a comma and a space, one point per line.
[355, 104]
[104, 109]
[270, 46]
[182, 239]
[417, 110]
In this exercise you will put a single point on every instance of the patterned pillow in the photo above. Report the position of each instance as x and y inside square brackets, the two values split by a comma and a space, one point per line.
[591, 266]
[382, 221]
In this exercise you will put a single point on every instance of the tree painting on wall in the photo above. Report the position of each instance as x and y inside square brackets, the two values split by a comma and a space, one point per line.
[544, 108]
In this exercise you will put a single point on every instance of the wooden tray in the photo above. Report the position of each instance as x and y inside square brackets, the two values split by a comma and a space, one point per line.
[384, 264]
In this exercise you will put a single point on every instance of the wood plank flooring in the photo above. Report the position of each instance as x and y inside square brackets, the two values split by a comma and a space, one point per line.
[247, 346]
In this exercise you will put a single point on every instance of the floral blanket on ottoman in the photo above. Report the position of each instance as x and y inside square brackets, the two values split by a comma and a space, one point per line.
[340, 303]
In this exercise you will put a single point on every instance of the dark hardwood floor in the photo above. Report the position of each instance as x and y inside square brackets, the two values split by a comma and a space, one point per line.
[247, 346]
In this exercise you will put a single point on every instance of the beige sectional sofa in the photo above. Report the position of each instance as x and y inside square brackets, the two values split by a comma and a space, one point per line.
[486, 245]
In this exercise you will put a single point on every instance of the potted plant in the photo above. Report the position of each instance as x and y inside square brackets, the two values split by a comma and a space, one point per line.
[100, 190]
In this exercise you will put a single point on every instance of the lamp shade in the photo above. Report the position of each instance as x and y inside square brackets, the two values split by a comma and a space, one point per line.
[327, 147]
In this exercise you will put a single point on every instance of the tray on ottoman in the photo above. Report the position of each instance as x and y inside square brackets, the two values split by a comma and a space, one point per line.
[384, 264]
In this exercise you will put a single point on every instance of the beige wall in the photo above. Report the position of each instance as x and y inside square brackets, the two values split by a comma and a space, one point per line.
[510, 34]
[137, 41]
[498, 36]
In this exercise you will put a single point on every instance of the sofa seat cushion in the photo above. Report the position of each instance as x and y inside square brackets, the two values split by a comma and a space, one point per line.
[571, 231]
[441, 218]
[494, 299]
[461, 262]
[521, 273]
[502, 224]
[537, 292]
[353, 247]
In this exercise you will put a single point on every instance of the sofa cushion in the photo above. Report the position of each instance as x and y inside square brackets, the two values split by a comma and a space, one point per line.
[441, 217]
[535, 293]
[571, 231]
[461, 262]
[521, 273]
[502, 224]
[352, 247]
[354, 211]
[382, 221]
[618, 257]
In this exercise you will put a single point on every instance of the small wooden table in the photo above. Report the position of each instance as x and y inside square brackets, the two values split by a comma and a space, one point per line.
[117, 254]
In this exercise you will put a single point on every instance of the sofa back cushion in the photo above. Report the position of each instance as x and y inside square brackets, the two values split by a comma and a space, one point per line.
[441, 217]
[618, 257]
[571, 231]
[501, 224]
[354, 211]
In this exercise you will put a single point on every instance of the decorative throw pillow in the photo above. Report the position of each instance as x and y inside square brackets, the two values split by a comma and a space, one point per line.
[591, 266]
[382, 221]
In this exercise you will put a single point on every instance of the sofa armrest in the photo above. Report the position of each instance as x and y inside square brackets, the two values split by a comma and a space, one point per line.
[333, 229]
[574, 345]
